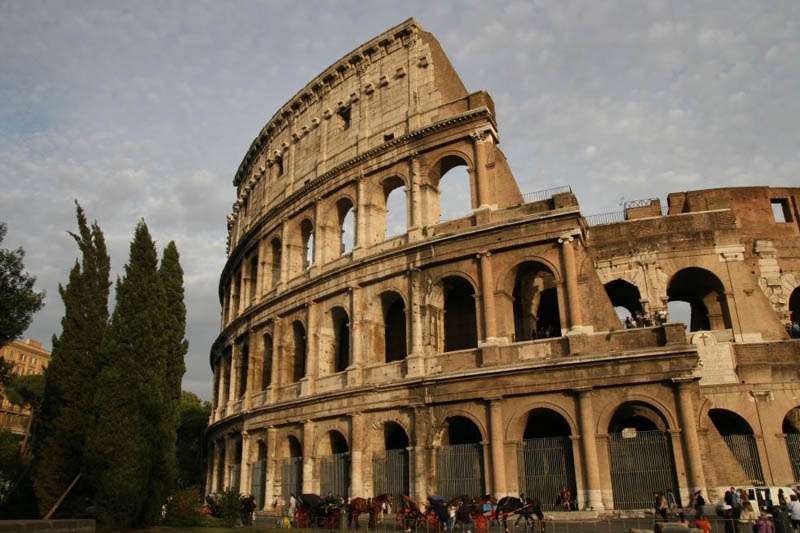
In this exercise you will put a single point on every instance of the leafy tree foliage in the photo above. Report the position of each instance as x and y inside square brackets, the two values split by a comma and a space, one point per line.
[193, 421]
[67, 408]
[18, 301]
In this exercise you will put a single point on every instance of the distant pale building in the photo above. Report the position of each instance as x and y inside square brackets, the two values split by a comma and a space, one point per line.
[28, 357]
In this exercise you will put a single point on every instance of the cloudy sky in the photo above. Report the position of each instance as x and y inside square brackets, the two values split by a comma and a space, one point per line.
[145, 109]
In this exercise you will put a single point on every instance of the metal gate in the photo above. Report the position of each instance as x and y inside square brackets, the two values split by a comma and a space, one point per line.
[793, 444]
[390, 474]
[460, 470]
[745, 450]
[291, 477]
[335, 475]
[640, 465]
[545, 466]
[257, 482]
[236, 476]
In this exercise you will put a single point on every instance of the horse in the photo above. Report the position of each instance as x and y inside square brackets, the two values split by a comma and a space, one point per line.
[372, 506]
[523, 509]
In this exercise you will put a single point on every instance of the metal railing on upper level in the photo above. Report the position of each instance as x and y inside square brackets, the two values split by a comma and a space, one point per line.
[620, 216]
[546, 194]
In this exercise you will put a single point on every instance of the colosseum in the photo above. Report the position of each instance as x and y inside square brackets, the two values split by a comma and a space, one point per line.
[486, 353]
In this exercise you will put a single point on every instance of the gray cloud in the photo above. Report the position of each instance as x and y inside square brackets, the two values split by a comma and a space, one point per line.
[145, 109]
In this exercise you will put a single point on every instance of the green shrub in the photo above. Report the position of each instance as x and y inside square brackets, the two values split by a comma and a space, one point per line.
[183, 510]
[230, 507]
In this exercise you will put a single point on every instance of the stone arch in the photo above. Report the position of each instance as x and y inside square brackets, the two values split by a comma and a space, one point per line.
[664, 411]
[332, 441]
[740, 438]
[705, 294]
[624, 295]
[515, 428]
[791, 421]
[290, 446]
[729, 422]
[343, 240]
[307, 242]
[340, 324]
[275, 254]
[393, 311]
[437, 432]
[460, 459]
[394, 196]
[462, 198]
[266, 365]
[639, 415]
[294, 360]
[535, 302]
[244, 369]
[460, 321]
[390, 462]
[791, 428]
[395, 436]
[290, 471]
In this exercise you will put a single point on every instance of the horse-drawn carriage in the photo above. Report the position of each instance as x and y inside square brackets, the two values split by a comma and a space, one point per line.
[434, 517]
[315, 511]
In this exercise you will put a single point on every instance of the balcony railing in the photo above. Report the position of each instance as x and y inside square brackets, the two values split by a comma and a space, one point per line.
[546, 194]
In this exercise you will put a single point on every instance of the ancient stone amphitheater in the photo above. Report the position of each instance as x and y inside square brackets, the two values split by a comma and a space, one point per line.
[484, 354]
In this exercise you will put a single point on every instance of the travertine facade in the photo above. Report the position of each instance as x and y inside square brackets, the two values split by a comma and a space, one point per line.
[27, 357]
[483, 354]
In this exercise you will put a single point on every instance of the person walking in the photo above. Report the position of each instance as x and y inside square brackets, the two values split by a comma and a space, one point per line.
[794, 511]
[699, 501]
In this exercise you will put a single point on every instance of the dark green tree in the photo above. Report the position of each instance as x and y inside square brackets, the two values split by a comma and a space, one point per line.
[175, 346]
[59, 437]
[126, 439]
[194, 420]
[18, 301]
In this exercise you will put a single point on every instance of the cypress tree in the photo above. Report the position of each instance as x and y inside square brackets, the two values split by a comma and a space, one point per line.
[60, 436]
[126, 440]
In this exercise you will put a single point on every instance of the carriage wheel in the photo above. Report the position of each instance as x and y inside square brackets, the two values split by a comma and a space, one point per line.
[301, 517]
[433, 521]
[400, 519]
[481, 524]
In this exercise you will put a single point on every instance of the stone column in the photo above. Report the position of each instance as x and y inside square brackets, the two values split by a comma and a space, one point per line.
[213, 477]
[232, 381]
[415, 362]
[261, 283]
[269, 467]
[689, 439]
[277, 360]
[481, 179]
[361, 219]
[244, 468]
[251, 373]
[589, 448]
[571, 279]
[487, 298]
[308, 456]
[498, 448]
[226, 468]
[356, 338]
[418, 481]
[215, 395]
[356, 454]
[415, 227]
[307, 382]
[320, 235]
[285, 249]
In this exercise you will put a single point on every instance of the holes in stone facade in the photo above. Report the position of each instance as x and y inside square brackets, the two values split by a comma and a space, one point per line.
[451, 176]
[794, 305]
[307, 240]
[341, 340]
[244, 368]
[344, 118]
[781, 211]
[253, 278]
[639, 416]
[394, 326]
[460, 321]
[536, 313]
[346, 224]
[625, 298]
[396, 217]
[266, 367]
[705, 294]
[276, 251]
[297, 360]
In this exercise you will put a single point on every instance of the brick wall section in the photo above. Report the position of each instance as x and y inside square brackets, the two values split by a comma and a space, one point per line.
[768, 362]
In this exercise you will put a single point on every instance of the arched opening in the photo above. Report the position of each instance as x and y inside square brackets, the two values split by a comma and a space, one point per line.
[236, 467]
[460, 468]
[454, 185]
[341, 340]
[221, 466]
[545, 458]
[307, 240]
[266, 367]
[275, 248]
[394, 326]
[347, 225]
[460, 321]
[253, 278]
[226, 377]
[642, 460]
[536, 314]
[791, 428]
[215, 400]
[625, 298]
[738, 436]
[298, 359]
[259, 473]
[390, 465]
[291, 468]
[705, 294]
[794, 313]
[237, 290]
[334, 465]
[244, 368]
[396, 218]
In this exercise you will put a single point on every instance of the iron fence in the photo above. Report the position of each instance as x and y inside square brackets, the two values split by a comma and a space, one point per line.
[745, 450]
[640, 465]
[236, 476]
[546, 466]
[335, 474]
[291, 477]
[793, 444]
[390, 474]
[258, 481]
[546, 194]
[460, 470]
[605, 218]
